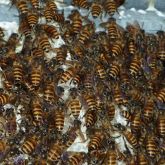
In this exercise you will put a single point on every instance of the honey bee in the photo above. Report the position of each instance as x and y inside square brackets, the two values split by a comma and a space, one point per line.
[59, 17]
[96, 140]
[48, 14]
[86, 32]
[161, 125]
[50, 31]
[17, 72]
[131, 46]
[110, 111]
[55, 152]
[110, 7]
[160, 96]
[151, 147]
[96, 9]
[76, 19]
[32, 18]
[90, 118]
[4, 99]
[35, 4]
[51, 5]
[22, 6]
[36, 76]
[59, 120]
[37, 53]
[29, 145]
[37, 111]
[114, 71]
[100, 71]
[127, 115]
[136, 123]
[81, 4]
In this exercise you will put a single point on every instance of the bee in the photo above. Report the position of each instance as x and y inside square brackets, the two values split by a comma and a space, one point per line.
[131, 46]
[37, 111]
[55, 152]
[110, 7]
[76, 158]
[86, 32]
[32, 18]
[48, 14]
[75, 107]
[4, 99]
[49, 93]
[96, 9]
[76, 19]
[142, 159]
[110, 111]
[100, 71]
[151, 147]
[50, 31]
[36, 76]
[18, 72]
[22, 6]
[148, 111]
[37, 53]
[114, 71]
[59, 120]
[95, 142]
[81, 4]
[61, 54]
[43, 42]
[127, 115]
[161, 125]
[35, 3]
[12, 41]
[111, 157]
[51, 5]
[29, 145]
[3, 146]
[135, 123]
[2, 34]
[90, 118]
[161, 54]
[160, 96]
[59, 17]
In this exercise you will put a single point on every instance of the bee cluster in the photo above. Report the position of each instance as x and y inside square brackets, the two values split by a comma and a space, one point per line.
[111, 75]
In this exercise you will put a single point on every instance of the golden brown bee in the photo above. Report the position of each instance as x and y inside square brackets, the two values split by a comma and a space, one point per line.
[96, 9]
[151, 147]
[81, 3]
[95, 141]
[130, 138]
[76, 19]
[4, 99]
[18, 72]
[3, 146]
[51, 5]
[131, 46]
[59, 17]
[36, 76]
[91, 102]
[114, 71]
[55, 152]
[136, 123]
[161, 125]
[135, 66]
[43, 43]
[76, 158]
[50, 31]
[22, 6]
[142, 159]
[48, 14]
[90, 118]
[49, 93]
[148, 111]
[59, 120]
[160, 96]
[32, 18]
[75, 107]
[37, 53]
[100, 72]
[29, 145]
[111, 158]
[86, 32]
[37, 111]
[110, 111]
[117, 49]
[127, 115]
[35, 3]
[61, 54]
[110, 7]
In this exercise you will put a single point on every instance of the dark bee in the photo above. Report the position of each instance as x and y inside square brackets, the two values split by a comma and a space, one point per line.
[161, 125]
